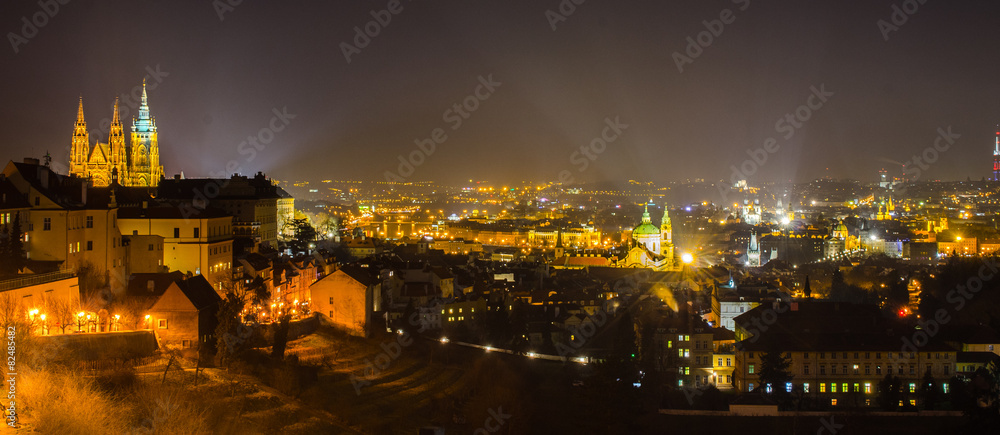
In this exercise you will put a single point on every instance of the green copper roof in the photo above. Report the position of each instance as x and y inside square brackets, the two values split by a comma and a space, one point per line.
[646, 227]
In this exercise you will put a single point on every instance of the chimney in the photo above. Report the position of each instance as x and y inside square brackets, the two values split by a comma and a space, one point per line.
[43, 177]
[31, 161]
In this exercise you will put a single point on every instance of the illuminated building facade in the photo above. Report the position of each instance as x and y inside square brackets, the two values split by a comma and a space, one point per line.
[654, 247]
[136, 163]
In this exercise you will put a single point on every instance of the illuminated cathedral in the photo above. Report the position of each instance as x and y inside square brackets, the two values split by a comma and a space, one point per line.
[654, 247]
[136, 163]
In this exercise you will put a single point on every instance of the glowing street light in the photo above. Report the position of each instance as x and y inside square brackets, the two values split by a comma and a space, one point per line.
[687, 258]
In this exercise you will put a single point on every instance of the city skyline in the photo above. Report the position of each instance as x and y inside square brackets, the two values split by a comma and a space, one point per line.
[559, 77]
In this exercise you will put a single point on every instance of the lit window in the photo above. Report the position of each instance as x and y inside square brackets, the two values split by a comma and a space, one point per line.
[822, 387]
[913, 387]
[750, 369]
[805, 387]
[868, 387]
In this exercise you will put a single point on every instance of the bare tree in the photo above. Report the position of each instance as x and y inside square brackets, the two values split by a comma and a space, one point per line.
[63, 312]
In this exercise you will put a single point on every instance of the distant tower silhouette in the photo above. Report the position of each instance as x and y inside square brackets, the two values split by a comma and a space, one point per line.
[996, 155]
[753, 250]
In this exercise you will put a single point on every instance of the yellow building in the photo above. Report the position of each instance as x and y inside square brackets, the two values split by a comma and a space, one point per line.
[134, 164]
[201, 244]
[67, 227]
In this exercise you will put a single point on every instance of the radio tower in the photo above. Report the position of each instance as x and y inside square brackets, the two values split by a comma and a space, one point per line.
[996, 156]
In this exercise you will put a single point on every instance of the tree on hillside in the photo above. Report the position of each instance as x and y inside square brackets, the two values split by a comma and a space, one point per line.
[257, 293]
[889, 393]
[928, 391]
[280, 338]
[305, 235]
[15, 245]
[775, 374]
[12, 258]
[232, 336]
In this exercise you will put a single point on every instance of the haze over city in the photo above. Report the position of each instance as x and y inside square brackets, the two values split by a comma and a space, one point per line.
[224, 68]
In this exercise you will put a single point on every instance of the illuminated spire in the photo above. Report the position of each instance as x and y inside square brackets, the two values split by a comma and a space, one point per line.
[79, 113]
[645, 216]
[115, 119]
[144, 123]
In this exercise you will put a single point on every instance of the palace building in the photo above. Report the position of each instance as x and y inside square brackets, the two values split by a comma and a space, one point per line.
[136, 163]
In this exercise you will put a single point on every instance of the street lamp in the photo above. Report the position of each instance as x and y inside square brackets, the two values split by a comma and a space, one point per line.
[79, 321]
[687, 258]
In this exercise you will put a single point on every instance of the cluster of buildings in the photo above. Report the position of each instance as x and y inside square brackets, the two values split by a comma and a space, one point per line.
[114, 231]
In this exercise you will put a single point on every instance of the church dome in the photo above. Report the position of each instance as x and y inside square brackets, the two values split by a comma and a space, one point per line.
[646, 228]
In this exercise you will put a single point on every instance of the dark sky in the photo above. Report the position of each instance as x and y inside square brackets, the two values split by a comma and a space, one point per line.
[607, 59]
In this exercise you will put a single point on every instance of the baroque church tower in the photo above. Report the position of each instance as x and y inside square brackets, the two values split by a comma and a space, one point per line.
[136, 163]
[666, 237]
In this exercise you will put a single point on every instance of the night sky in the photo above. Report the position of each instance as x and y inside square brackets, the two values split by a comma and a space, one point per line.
[607, 59]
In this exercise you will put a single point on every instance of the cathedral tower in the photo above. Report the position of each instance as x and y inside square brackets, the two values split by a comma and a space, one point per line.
[80, 149]
[144, 149]
[132, 163]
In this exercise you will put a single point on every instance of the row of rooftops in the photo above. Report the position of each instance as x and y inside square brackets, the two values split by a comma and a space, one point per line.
[823, 325]
[76, 193]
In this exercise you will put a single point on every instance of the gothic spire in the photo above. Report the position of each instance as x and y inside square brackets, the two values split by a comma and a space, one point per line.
[143, 123]
[79, 113]
[116, 119]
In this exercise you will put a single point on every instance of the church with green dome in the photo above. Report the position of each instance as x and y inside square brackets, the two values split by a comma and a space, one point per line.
[653, 245]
